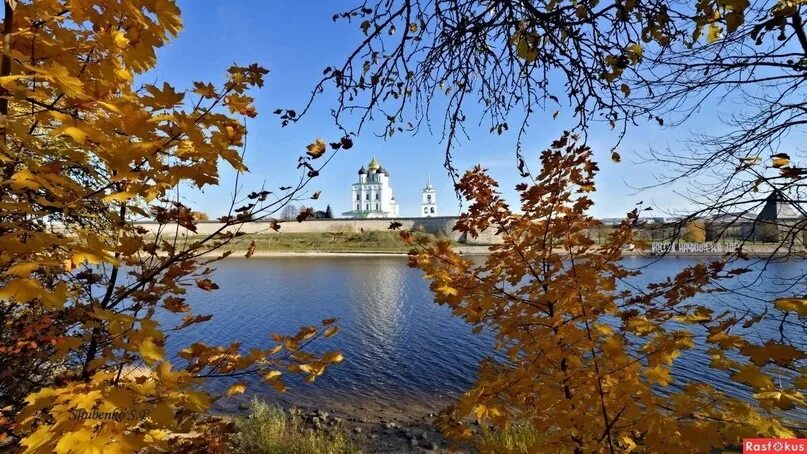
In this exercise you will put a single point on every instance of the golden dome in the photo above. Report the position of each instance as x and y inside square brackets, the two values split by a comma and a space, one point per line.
[374, 165]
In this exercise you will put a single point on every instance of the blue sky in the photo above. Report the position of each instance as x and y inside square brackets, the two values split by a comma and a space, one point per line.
[295, 41]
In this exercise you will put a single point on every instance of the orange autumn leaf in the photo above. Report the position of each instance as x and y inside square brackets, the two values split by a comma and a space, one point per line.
[316, 149]
[250, 249]
[206, 284]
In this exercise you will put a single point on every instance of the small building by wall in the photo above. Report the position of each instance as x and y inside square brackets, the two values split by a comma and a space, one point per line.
[778, 221]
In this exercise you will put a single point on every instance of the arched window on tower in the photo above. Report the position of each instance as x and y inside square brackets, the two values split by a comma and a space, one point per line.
[429, 198]
[432, 210]
[358, 196]
[426, 210]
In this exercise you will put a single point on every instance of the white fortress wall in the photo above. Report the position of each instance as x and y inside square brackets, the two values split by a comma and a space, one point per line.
[435, 225]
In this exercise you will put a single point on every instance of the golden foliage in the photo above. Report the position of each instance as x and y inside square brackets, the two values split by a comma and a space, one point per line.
[82, 152]
[584, 360]
[695, 231]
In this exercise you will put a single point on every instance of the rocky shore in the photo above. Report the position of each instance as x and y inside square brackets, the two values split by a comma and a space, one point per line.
[381, 434]
[407, 428]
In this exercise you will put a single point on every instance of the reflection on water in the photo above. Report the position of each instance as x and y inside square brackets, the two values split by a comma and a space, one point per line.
[380, 310]
[396, 342]
[398, 345]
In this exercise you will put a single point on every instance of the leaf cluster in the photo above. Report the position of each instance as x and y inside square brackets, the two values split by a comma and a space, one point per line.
[586, 355]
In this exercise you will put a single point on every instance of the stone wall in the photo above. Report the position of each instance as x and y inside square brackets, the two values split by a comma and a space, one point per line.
[437, 225]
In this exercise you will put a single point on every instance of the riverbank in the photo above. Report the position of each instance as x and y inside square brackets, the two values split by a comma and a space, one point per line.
[389, 243]
[465, 250]
[479, 251]
[375, 242]
[314, 430]
[411, 431]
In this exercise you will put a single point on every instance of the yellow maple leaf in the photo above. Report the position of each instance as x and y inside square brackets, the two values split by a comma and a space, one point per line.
[166, 97]
[272, 375]
[197, 401]
[60, 75]
[150, 351]
[658, 374]
[797, 305]
[752, 375]
[21, 290]
[447, 290]
[22, 269]
[121, 41]
[156, 435]
[91, 256]
[25, 179]
[124, 74]
[725, 340]
[77, 134]
[86, 401]
[205, 90]
[784, 400]
[84, 441]
[168, 15]
[237, 388]
[333, 357]
[41, 440]
[781, 354]
[119, 196]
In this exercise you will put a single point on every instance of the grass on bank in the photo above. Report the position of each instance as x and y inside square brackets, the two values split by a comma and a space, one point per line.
[517, 438]
[268, 429]
[373, 241]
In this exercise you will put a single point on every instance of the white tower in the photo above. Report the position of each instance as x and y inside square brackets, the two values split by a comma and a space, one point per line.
[429, 201]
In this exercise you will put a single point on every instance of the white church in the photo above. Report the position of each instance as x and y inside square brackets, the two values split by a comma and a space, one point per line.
[371, 196]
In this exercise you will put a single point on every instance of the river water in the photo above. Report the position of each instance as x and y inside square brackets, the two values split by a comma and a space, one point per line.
[399, 346]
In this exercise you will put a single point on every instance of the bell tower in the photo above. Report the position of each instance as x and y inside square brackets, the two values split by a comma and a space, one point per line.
[428, 203]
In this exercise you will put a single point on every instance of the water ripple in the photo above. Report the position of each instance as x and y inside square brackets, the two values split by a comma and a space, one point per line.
[396, 342]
